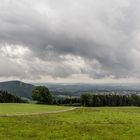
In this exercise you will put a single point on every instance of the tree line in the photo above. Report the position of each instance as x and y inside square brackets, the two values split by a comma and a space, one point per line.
[42, 95]
[110, 100]
[6, 97]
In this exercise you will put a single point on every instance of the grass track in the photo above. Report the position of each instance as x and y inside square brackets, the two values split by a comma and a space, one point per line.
[17, 109]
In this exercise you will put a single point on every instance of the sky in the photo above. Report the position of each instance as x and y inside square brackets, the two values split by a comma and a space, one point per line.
[70, 41]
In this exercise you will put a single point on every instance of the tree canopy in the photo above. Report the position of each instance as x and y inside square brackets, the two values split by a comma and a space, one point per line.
[42, 95]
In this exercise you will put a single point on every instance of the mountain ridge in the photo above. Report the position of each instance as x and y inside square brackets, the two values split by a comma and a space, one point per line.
[17, 88]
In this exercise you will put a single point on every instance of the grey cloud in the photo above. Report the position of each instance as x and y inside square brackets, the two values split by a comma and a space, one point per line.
[104, 32]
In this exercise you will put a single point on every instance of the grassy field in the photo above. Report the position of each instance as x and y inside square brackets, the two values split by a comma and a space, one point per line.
[80, 124]
[13, 108]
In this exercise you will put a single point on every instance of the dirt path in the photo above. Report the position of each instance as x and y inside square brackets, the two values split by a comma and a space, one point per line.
[28, 114]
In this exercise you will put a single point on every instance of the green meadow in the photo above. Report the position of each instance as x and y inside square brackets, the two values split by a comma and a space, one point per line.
[106, 123]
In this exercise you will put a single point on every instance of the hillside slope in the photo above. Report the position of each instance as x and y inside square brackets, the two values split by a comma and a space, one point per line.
[17, 88]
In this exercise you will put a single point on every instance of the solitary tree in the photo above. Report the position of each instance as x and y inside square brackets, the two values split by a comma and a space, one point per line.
[42, 95]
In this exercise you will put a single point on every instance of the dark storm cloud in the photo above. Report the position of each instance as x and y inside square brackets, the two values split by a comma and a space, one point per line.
[98, 38]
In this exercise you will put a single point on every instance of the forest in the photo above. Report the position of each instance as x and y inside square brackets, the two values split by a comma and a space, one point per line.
[6, 97]
[92, 100]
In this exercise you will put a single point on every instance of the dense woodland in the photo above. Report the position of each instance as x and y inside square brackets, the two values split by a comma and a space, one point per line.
[91, 100]
[6, 97]
[110, 100]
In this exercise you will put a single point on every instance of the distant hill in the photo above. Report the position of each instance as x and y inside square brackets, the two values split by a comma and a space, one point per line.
[77, 89]
[17, 88]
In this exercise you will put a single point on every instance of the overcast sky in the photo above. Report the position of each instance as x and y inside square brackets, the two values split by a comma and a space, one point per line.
[70, 40]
